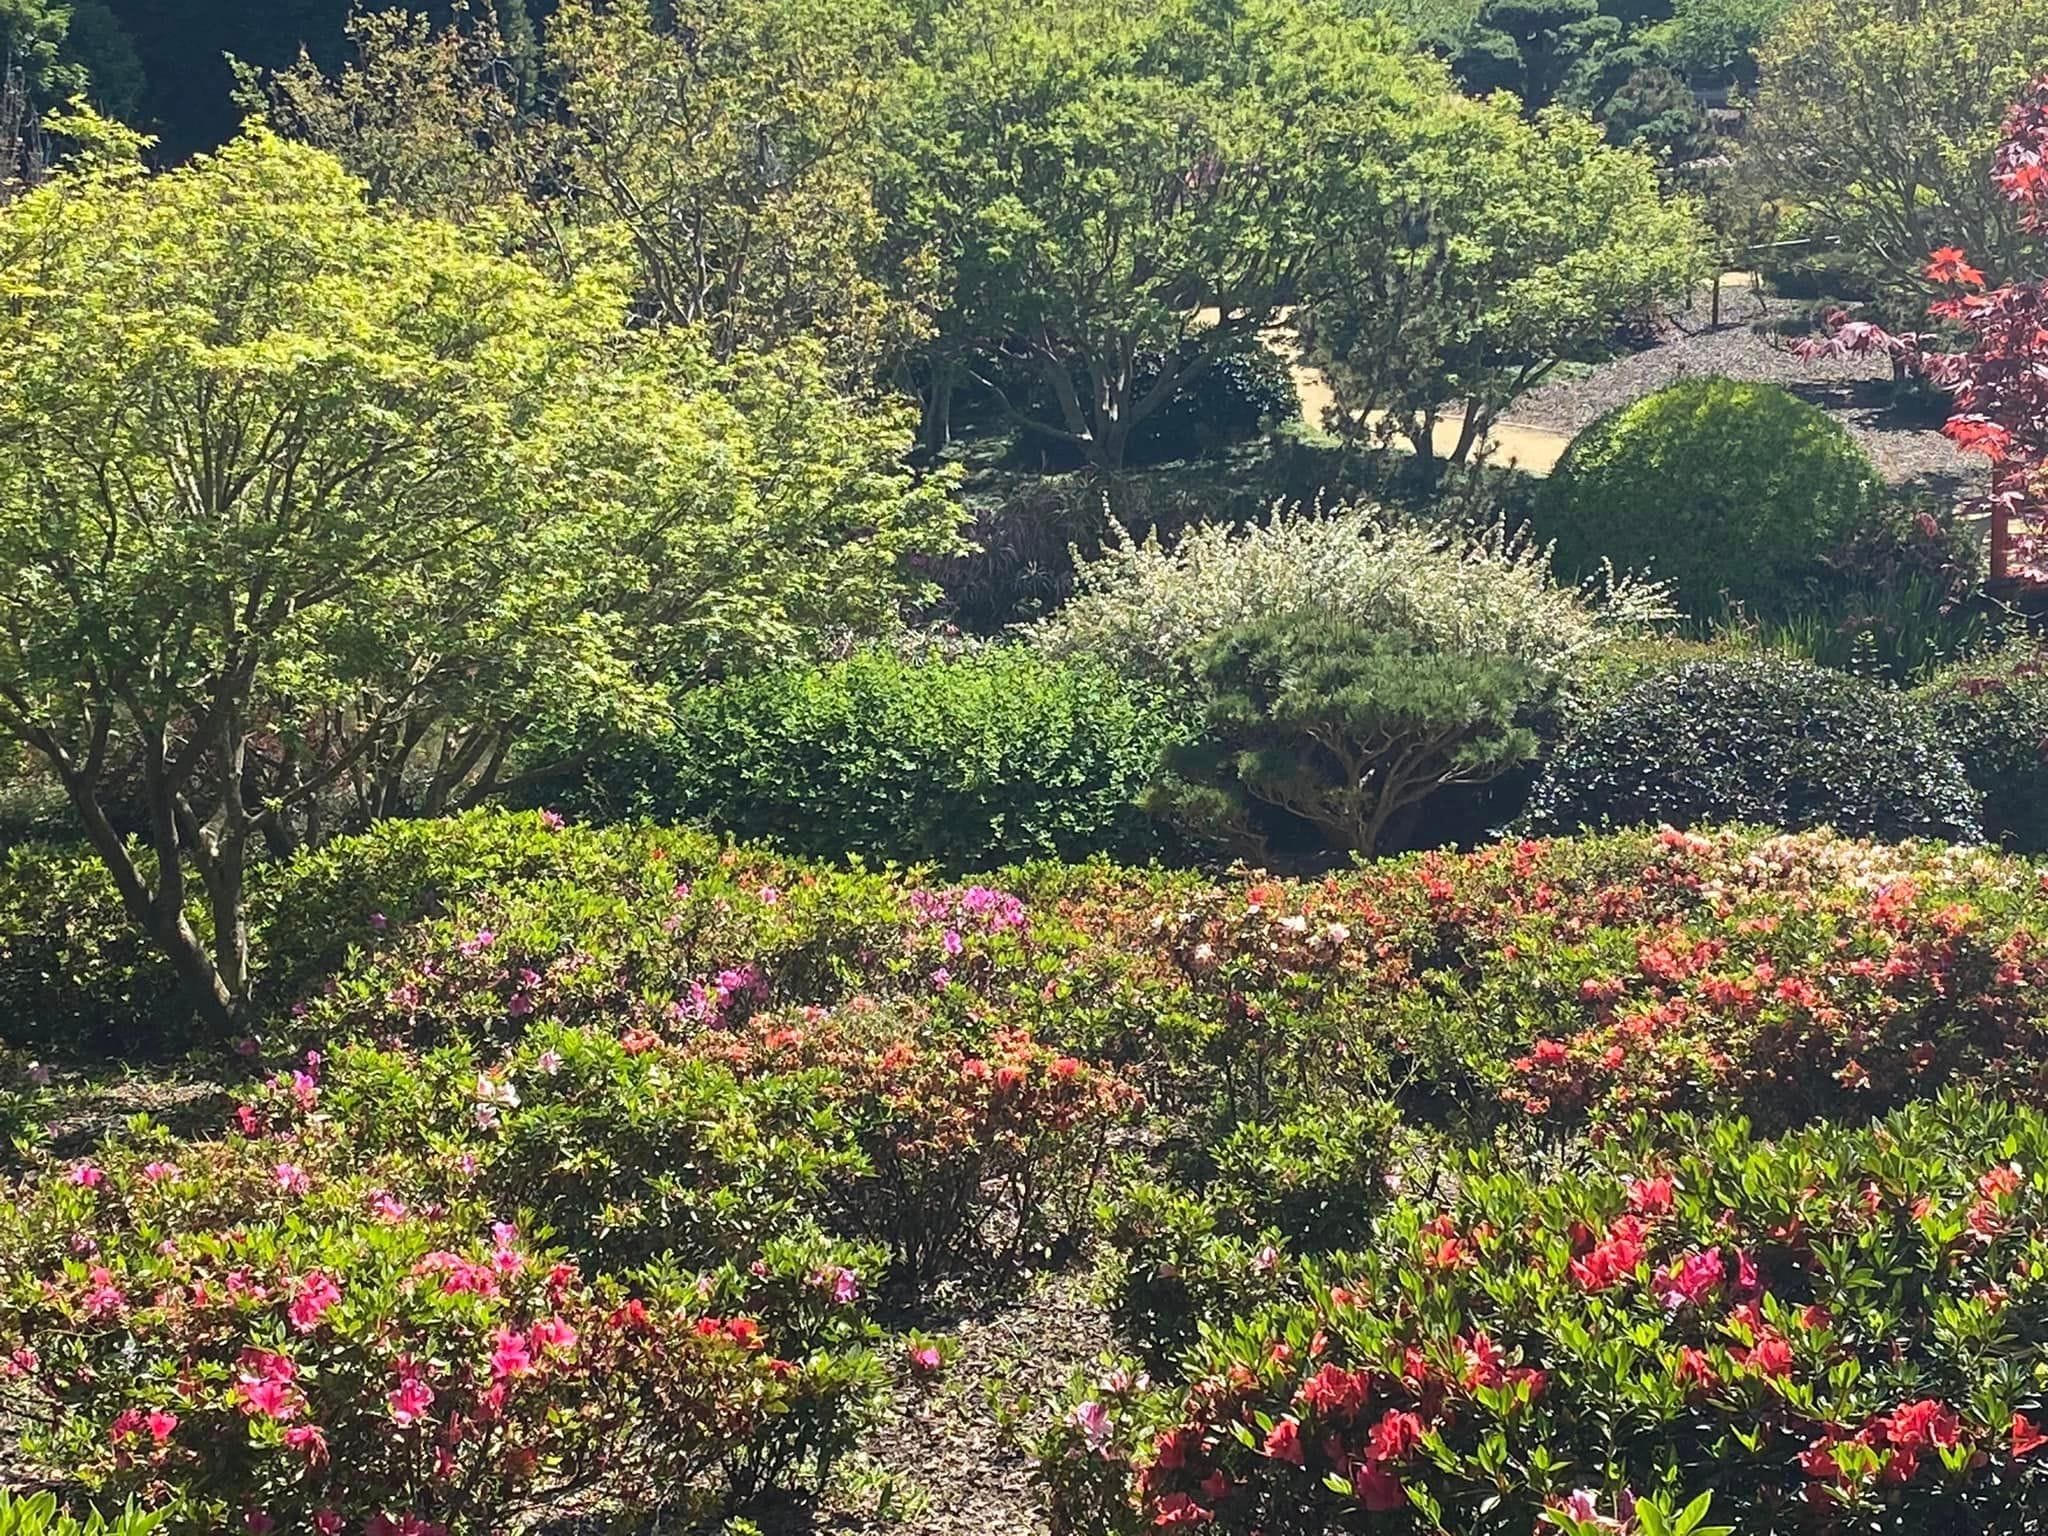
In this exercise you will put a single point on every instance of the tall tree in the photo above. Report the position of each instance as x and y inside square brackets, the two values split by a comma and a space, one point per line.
[1878, 119]
[1493, 250]
[1117, 193]
[730, 145]
[312, 509]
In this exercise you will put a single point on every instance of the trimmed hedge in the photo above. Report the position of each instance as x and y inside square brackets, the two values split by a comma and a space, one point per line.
[1730, 491]
[999, 755]
[1995, 715]
[76, 976]
[1761, 740]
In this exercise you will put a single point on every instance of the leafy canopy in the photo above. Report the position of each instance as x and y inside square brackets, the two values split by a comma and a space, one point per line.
[1104, 185]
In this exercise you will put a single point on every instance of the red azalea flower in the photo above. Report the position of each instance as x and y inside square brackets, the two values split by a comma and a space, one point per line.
[2025, 1437]
[1283, 1442]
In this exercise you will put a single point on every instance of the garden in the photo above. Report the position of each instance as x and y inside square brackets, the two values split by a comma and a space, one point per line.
[717, 813]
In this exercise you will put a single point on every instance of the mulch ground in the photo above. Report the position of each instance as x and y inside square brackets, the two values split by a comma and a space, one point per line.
[1752, 345]
[952, 1456]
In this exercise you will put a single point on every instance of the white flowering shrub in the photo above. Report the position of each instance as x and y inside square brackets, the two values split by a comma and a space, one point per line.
[1147, 610]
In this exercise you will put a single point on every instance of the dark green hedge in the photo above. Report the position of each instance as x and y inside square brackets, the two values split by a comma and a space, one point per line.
[1762, 740]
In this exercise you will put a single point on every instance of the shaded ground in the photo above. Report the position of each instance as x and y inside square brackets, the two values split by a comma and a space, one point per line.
[952, 1457]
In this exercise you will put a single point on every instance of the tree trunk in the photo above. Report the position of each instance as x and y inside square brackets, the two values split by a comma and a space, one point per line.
[159, 913]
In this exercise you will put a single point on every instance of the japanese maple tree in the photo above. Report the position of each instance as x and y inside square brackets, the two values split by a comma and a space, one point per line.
[2000, 381]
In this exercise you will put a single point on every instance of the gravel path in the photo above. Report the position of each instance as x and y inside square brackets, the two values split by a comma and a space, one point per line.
[1908, 452]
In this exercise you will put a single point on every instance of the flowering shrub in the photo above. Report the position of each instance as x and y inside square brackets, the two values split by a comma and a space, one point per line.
[1148, 611]
[265, 1332]
[658, 948]
[1786, 977]
[987, 1153]
[624, 1153]
[310, 913]
[1841, 1327]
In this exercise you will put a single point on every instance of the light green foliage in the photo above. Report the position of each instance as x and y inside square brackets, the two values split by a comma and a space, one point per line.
[729, 144]
[1731, 491]
[999, 755]
[314, 510]
[428, 118]
[1877, 118]
[1341, 727]
[1495, 248]
[1103, 183]
[38, 1515]
[1149, 611]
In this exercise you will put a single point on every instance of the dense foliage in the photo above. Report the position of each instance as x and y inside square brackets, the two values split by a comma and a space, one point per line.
[1729, 491]
[1148, 611]
[1994, 713]
[1342, 728]
[1763, 740]
[969, 763]
[1834, 1327]
[743, 1095]
[1878, 119]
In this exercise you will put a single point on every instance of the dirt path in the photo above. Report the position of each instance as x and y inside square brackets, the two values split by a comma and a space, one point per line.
[952, 1456]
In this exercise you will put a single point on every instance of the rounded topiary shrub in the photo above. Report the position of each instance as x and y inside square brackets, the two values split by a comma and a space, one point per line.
[1994, 714]
[1730, 491]
[1763, 740]
[998, 755]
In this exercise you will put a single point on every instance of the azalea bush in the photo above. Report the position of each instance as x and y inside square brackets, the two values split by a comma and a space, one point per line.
[1836, 1329]
[1784, 976]
[986, 1153]
[271, 1330]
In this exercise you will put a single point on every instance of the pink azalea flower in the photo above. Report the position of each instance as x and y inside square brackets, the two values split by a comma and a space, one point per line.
[410, 1400]
[315, 1294]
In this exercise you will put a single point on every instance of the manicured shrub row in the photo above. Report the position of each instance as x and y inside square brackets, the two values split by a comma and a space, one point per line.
[968, 763]
[1764, 740]
[1841, 1330]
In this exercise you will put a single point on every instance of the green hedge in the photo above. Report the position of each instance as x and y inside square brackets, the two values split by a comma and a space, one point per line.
[1761, 740]
[969, 763]
[1994, 714]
